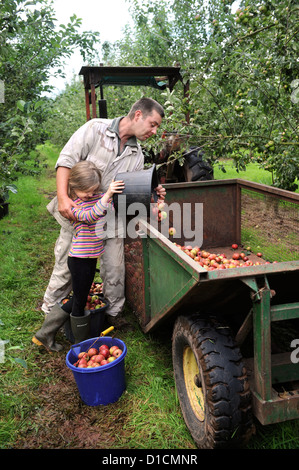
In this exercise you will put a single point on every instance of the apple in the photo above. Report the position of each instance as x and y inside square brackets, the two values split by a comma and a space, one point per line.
[172, 231]
[82, 362]
[92, 352]
[234, 246]
[161, 206]
[98, 358]
[117, 352]
[105, 353]
[83, 354]
[259, 255]
[236, 256]
[104, 362]
[112, 349]
[111, 359]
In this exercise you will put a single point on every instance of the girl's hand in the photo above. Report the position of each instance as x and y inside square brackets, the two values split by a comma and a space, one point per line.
[115, 187]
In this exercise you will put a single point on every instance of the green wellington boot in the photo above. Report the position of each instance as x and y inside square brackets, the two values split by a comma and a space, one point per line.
[81, 327]
[46, 335]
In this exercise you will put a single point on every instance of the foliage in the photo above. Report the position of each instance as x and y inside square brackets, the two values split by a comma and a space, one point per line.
[31, 46]
[67, 114]
[242, 67]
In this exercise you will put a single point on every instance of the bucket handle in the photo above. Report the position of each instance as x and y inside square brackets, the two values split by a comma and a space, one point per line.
[104, 333]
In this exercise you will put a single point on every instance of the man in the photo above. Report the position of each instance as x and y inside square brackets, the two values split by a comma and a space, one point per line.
[112, 146]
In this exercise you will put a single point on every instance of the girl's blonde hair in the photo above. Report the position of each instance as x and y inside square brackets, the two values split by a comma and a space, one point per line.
[84, 176]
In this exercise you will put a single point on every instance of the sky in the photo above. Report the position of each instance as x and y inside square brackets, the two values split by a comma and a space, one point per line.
[106, 17]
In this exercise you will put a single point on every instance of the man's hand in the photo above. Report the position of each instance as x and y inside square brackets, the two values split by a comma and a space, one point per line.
[65, 205]
[161, 192]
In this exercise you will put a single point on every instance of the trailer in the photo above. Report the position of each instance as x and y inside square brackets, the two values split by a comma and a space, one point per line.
[228, 367]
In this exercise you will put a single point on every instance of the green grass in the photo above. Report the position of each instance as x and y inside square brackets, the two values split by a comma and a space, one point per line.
[253, 172]
[39, 404]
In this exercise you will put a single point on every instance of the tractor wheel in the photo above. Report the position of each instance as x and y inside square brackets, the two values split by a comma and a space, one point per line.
[211, 383]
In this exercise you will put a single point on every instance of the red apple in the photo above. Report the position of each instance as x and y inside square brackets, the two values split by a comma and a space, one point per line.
[104, 362]
[113, 349]
[92, 352]
[105, 353]
[234, 246]
[117, 352]
[259, 254]
[98, 358]
[236, 256]
[83, 354]
[82, 362]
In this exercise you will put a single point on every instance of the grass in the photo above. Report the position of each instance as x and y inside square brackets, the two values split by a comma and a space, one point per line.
[253, 172]
[39, 404]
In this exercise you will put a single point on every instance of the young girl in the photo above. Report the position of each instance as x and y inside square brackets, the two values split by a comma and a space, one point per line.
[87, 245]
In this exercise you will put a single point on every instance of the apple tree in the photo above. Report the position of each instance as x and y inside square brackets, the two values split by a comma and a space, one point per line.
[242, 66]
[31, 46]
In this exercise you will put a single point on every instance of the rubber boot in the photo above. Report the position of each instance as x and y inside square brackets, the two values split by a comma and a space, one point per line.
[53, 321]
[81, 327]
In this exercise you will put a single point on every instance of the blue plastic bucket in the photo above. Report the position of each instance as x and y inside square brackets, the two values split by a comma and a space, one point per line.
[101, 385]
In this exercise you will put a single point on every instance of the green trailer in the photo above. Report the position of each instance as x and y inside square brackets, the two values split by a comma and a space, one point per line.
[230, 361]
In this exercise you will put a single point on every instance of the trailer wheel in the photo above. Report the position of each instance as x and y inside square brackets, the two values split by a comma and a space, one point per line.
[211, 383]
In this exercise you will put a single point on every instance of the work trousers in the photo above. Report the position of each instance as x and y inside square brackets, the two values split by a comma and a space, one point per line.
[112, 273]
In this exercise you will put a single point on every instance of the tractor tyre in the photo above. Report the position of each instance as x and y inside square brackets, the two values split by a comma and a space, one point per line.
[211, 383]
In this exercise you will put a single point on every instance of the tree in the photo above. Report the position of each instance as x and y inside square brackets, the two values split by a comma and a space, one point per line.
[242, 68]
[31, 46]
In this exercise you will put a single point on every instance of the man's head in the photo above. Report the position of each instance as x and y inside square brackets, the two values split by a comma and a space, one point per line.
[146, 106]
[146, 116]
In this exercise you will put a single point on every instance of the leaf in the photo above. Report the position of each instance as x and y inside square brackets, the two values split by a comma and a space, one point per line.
[21, 105]
[20, 361]
[12, 188]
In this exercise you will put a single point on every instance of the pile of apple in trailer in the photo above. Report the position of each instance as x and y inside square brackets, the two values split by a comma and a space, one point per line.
[211, 261]
[98, 357]
[94, 299]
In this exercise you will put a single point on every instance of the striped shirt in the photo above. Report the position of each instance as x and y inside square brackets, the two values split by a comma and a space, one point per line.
[89, 225]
